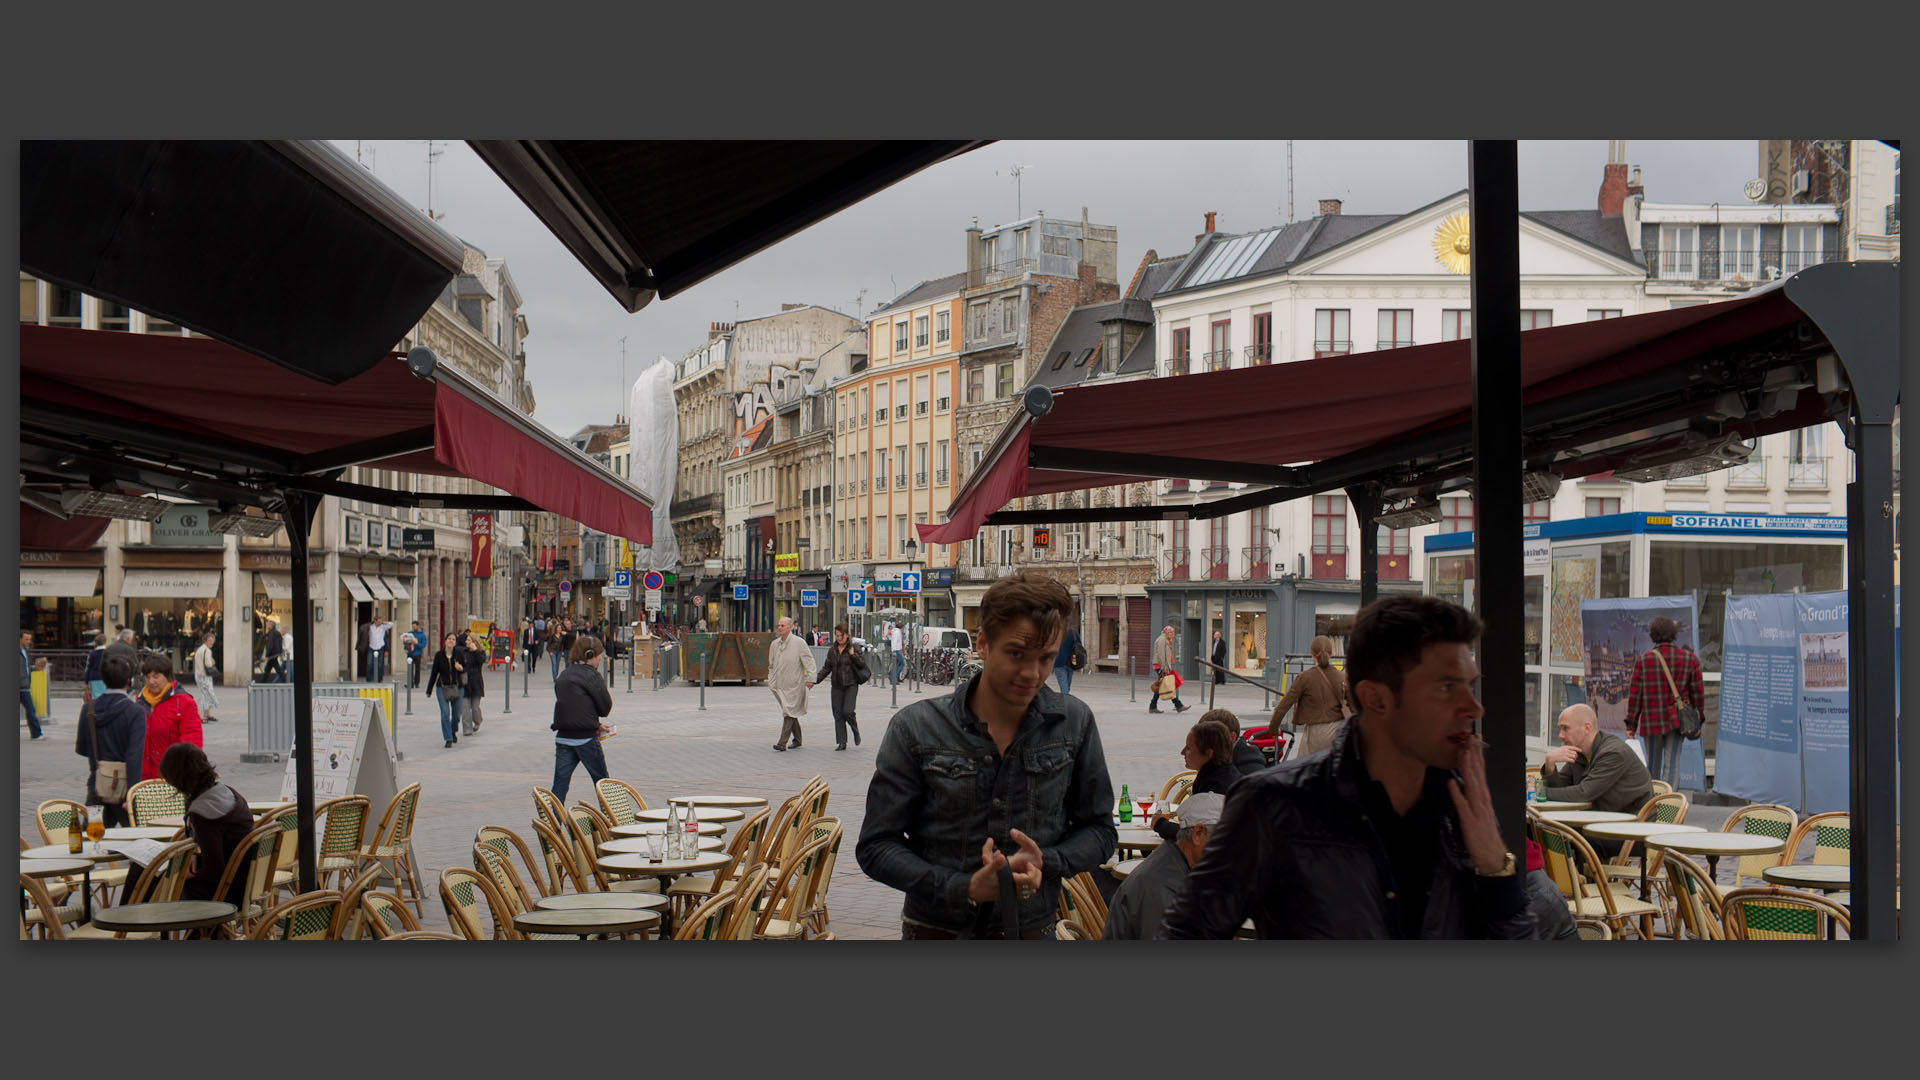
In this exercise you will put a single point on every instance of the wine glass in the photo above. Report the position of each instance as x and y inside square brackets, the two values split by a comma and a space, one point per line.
[1146, 805]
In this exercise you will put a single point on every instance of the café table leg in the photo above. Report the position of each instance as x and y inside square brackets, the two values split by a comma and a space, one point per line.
[86, 893]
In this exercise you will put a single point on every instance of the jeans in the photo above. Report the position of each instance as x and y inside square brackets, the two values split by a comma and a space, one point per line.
[899, 665]
[274, 671]
[553, 660]
[566, 757]
[449, 715]
[33, 715]
[376, 665]
[203, 689]
[1064, 676]
[1663, 756]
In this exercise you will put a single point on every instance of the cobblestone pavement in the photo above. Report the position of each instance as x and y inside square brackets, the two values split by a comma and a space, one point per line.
[666, 746]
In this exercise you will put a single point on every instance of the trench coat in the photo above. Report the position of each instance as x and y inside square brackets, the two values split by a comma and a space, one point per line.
[789, 666]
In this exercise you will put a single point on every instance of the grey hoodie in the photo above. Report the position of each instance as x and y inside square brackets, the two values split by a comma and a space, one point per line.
[218, 820]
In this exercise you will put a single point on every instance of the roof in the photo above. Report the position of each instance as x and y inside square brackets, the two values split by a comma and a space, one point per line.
[467, 285]
[1076, 350]
[1587, 226]
[926, 290]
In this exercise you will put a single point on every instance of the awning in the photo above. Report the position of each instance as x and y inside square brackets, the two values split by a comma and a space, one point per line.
[655, 218]
[177, 584]
[232, 428]
[375, 586]
[352, 583]
[49, 581]
[298, 254]
[280, 586]
[398, 588]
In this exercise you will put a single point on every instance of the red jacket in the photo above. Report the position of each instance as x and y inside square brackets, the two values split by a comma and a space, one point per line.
[175, 719]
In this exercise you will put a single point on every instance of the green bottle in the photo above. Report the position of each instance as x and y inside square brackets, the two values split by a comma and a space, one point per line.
[1126, 806]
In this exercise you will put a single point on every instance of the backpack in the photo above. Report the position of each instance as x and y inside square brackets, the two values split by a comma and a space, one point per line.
[1077, 659]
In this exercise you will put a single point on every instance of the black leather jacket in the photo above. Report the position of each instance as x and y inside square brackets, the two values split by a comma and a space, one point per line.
[1294, 851]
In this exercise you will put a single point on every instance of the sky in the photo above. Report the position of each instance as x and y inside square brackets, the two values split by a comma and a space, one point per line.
[1155, 193]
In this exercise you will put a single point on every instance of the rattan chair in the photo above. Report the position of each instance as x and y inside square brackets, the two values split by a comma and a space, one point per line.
[1776, 914]
[508, 843]
[1593, 930]
[1176, 787]
[251, 863]
[351, 922]
[749, 892]
[462, 892]
[587, 830]
[1698, 908]
[708, 922]
[619, 800]
[286, 863]
[392, 843]
[1832, 840]
[1089, 909]
[1661, 787]
[780, 916]
[343, 838]
[514, 898]
[306, 917]
[547, 808]
[814, 911]
[779, 831]
[1760, 819]
[39, 911]
[52, 817]
[150, 799]
[1667, 809]
[1589, 894]
[423, 935]
[159, 882]
[742, 852]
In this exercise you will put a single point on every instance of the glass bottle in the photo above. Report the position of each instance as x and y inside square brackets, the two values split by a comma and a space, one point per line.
[1126, 806]
[673, 831]
[690, 844]
[76, 829]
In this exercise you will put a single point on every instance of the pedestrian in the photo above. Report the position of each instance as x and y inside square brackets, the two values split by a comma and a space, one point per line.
[897, 641]
[415, 641]
[112, 727]
[984, 800]
[172, 714]
[1320, 692]
[1063, 663]
[1163, 667]
[846, 666]
[94, 685]
[122, 647]
[556, 653]
[1664, 677]
[530, 642]
[580, 704]
[1209, 752]
[286, 641]
[205, 672]
[27, 668]
[700, 627]
[1219, 658]
[476, 684]
[1141, 901]
[445, 683]
[789, 674]
[365, 645]
[271, 652]
[1391, 832]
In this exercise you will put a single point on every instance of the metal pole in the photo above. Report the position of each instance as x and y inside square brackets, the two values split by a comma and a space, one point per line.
[1133, 672]
[525, 671]
[703, 680]
[397, 755]
[508, 696]
[409, 689]
[300, 507]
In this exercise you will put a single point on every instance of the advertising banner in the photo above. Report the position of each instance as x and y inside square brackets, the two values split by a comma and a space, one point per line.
[482, 545]
[1614, 635]
[1821, 623]
[1758, 750]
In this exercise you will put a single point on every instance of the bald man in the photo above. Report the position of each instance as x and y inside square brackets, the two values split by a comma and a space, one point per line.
[1594, 766]
[1321, 694]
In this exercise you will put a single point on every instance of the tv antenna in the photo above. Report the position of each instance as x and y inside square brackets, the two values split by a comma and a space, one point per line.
[860, 304]
[1015, 171]
[1289, 181]
[433, 159]
[624, 389]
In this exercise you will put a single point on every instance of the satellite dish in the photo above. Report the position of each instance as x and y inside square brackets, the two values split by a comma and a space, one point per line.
[1755, 189]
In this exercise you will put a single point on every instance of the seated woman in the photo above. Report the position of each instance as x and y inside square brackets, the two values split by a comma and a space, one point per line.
[1209, 752]
[217, 820]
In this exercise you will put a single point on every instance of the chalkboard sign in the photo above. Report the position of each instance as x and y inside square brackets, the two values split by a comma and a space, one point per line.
[502, 650]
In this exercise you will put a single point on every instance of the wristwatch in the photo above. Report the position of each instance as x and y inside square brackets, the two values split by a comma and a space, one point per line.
[1506, 869]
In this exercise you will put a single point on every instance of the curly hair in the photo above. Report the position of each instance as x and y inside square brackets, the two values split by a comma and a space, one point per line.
[185, 766]
[1663, 630]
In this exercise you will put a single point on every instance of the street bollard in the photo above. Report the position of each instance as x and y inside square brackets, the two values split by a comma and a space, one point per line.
[524, 673]
[397, 755]
[508, 696]
[703, 681]
[893, 684]
[409, 697]
[1133, 671]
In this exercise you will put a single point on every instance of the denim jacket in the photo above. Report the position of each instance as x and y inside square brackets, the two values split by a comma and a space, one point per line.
[940, 787]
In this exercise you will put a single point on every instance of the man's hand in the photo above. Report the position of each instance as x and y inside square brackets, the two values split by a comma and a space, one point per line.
[1026, 862]
[1478, 827]
[985, 883]
[1562, 755]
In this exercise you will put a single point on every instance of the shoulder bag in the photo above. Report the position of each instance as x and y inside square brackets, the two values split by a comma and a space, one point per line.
[109, 777]
[1689, 716]
[1078, 658]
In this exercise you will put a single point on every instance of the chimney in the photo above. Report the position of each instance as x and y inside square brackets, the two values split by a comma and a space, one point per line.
[1210, 216]
[973, 254]
[1329, 207]
[1089, 283]
[1613, 188]
[791, 307]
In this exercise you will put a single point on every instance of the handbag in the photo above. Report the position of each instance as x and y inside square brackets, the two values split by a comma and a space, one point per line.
[1688, 715]
[1163, 686]
[109, 777]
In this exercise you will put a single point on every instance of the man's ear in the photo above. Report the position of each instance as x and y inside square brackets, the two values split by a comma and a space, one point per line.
[1374, 696]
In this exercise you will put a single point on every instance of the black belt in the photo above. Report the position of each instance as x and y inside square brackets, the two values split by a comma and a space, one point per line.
[916, 932]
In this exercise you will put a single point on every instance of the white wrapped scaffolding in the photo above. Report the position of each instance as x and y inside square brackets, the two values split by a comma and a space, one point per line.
[654, 427]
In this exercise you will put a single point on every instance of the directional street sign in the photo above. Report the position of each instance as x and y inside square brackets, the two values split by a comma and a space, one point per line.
[615, 592]
[910, 581]
[739, 592]
[623, 579]
[809, 597]
[654, 580]
[857, 599]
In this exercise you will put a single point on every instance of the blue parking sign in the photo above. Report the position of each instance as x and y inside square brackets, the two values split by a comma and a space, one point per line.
[623, 579]
[739, 592]
[857, 599]
[809, 597]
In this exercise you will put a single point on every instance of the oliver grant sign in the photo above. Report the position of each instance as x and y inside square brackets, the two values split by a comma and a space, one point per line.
[186, 526]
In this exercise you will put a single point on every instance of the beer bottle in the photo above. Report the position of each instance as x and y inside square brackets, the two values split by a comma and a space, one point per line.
[76, 829]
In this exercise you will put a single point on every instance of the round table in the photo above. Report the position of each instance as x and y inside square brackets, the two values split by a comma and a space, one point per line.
[619, 901]
[1582, 818]
[642, 828]
[1815, 876]
[52, 867]
[716, 814]
[1125, 866]
[644, 866]
[91, 852]
[586, 922]
[1137, 838]
[166, 917]
[141, 832]
[737, 802]
[1544, 805]
[1715, 844]
[638, 845]
[1635, 830]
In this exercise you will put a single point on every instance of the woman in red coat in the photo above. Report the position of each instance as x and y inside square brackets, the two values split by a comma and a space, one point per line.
[172, 715]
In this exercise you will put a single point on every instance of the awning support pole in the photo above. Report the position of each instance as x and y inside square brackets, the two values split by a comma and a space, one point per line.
[1493, 199]
[1366, 504]
[299, 518]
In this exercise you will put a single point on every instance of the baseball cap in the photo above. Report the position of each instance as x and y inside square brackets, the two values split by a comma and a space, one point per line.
[1202, 809]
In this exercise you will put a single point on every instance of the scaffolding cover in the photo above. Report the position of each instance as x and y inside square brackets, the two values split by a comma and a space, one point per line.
[654, 428]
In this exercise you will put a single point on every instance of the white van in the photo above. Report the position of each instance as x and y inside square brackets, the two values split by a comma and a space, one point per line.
[945, 637]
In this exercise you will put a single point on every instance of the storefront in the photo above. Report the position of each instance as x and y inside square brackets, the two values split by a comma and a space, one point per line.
[1263, 622]
[170, 607]
[1706, 556]
[60, 599]
[936, 600]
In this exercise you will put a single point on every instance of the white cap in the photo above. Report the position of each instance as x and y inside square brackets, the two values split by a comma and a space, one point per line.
[1202, 809]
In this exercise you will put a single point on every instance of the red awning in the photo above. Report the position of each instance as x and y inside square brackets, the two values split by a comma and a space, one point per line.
[252, 419]
[1313, 410]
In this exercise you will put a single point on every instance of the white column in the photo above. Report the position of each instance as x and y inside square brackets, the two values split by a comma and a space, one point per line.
[237, 587]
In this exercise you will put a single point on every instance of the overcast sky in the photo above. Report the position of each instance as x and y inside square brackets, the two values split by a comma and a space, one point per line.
[1155, 193]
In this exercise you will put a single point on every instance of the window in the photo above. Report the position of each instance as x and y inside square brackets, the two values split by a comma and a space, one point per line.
[29, 299]
[1261, 352]
[1799, 248]
[900, 336]
[1537, 512]
[1110, 347]
[974, 454]
[976, 385]
[1010, 314]
[989, 252]
[1396, 328]
[883, 538]
[901, 521]
[1004, 383]
[919, 331]
[1219, 345]
[1456, 513]
[940, 461]
[1806, 458]
[1597, 314]
[942, 390]
[1076, 540]
[1179, 555]
[1740, 251]
[1536, 318]
[1217, 561]
[900, 400]
[1602, 506]
[1392, 556]
[920, 395]
[1456, 324]
[1332, 334]
[1020, 247]
[941, 329]
[1679, 251]
[863, 404]
[900, 465]
[115, 316]
[977, 321]
[1329, 537]
[879, 401]
[63, 306]
[920, 464]
[1181, 357]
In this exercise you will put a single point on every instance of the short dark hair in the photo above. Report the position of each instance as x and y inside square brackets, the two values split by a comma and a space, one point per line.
[156, 661]
[186, 768]
[841, 628]
[1389, 635]
[1215, 739]
[116, 671]
[1663, 630]
[1026, 594]
[1223, 716]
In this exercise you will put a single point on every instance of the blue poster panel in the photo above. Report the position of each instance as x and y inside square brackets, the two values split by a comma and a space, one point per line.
[1821, 622]
[1757, 754]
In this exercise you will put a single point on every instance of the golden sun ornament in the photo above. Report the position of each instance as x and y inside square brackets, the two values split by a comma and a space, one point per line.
[1450, 244]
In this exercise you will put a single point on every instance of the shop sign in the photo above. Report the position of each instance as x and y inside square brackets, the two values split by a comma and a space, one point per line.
[482, 562]
[416, 539]
[186, 526]
[787, 564]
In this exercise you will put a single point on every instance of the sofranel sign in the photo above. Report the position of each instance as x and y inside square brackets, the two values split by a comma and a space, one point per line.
[1746, 523]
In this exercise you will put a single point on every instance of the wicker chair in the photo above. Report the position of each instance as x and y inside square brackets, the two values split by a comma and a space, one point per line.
[392, 843]
[547, 808]
[619, 800]
[1698, 908]
[749, 892]
[708, 922]
[52, 817]
[1661, 787]
[38, 909]
[741, 849]
[514, 899]
[588, 830]
[1088, 909]
[1176, 787]
[423, 935]
[1667, 809]
[780, 917]
[814, 912]
[286, 863]
[1068, 930]
[1760, 819]
[343, 838]
[779, 832]
[1832, 840]
[1588, 893]
[150, 799]
[462, 892]
[1593, 930]
[508, 843]
[158, 883]
[366, 913]
[1776, 914]
[255, 857]
[306, 917]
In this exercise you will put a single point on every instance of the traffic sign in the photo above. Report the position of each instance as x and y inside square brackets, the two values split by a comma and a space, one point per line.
[566, 586]
[698, 601]
[910, 581]
[739, 592]
[809, 597]
[857, 599]
[615, 592]
[654, 580]
[623, 579]
[653, 599]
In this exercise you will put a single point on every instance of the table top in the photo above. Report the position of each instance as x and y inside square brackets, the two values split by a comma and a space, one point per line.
[619, 901]
[601, 920]
[737, 801]
[1585, 817]
[171, 915]
[1544, 805]
[1634, 830]
[1125, 866]
[642, 828]
[646, 867]
[1716, 843]
[51, 867]
[142, 832]
[638, 845]
[1810, 876]
[714, 814]
[91, 852]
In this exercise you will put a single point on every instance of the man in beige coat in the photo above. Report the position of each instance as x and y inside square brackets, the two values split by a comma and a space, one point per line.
[789, 673]
[1321, 694]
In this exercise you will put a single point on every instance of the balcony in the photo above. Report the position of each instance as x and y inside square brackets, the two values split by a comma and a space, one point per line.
[1677, 265]
[1687, 483]
[919, 479]
[1332, 347]
[1739, 264]
[919, 408]
[940, 477]
[1749, 477]
[863, 485]
[920, 341]
[899, 412]
[699, 504]
[1256, 563]
[1217, 360]
[1258, 354]
[879, 415]
[900, 481]
[942, 404]
[880, 482]
[1215, 560]
[1893, 219]
[1179, 365]
[1807, 474]
[1174, 567]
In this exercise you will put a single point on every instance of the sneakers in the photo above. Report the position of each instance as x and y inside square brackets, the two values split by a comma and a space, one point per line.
[840, 746]
[448, 746]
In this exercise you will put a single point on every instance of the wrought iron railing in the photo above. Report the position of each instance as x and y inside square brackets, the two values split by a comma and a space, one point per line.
[1259, 354]
[1256, 562]
[1216, 562]
[1217, 360]
[1807, 473]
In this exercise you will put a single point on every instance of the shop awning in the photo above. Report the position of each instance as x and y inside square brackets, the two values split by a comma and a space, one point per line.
[177, 584]
[51, 581]
[280, 586]
[376, 586]
[199, 418]
[653, 218]
[356, 589]
[398, 588]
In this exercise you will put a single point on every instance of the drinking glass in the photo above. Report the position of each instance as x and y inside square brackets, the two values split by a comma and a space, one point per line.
[1146, 805]
[656, 844]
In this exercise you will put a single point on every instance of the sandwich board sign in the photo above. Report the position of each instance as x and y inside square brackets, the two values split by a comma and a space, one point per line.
[351, 754]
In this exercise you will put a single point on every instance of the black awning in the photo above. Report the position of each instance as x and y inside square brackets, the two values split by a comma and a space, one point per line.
[287, 250]
[655, 218]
